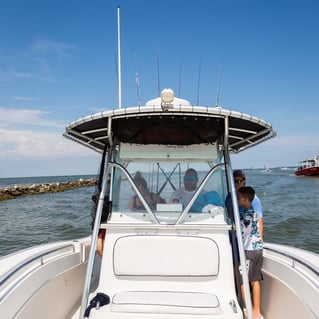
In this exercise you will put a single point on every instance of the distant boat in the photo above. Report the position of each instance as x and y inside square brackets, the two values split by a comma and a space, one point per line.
[308, 167]
[286, 168]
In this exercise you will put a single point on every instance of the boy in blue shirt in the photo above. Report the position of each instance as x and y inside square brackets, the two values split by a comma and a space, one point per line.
[253, 245]
[240, 181]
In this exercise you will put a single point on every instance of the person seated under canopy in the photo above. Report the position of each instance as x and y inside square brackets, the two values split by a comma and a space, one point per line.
[205, 198]
[151, 198]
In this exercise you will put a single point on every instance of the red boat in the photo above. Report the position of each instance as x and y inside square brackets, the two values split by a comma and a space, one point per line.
[308, 167]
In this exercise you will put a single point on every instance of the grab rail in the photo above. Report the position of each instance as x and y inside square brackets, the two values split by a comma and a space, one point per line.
[137, 191]
[38, 257]
[295, 259]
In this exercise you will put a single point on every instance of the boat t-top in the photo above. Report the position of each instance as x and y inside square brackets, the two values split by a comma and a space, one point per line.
[164, 258]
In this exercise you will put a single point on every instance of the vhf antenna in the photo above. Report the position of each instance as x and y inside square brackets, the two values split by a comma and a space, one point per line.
[218, 86]
[158, 73]
[180, 78]
[137, 81]
[198, 85]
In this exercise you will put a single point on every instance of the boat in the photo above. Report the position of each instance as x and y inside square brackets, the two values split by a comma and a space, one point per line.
[160, 260]
[308, 167]
[168, 261]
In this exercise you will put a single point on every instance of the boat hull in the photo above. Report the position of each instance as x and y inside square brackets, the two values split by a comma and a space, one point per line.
[290, 288]
[45, 281]
[309, 171]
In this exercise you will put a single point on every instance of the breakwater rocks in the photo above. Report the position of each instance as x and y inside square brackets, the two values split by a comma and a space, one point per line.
[20, 190]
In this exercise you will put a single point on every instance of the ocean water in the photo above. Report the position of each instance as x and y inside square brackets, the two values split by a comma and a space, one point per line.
[35, 219]
[290, 207]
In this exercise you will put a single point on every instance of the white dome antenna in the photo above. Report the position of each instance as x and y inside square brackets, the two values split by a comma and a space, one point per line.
[167, 99]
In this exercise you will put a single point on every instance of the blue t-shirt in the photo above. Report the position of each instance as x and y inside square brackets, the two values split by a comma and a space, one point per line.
[206, 198]
[256, 205]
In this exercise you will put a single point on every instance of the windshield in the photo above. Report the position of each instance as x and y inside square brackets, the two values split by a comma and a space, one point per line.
[166, 191]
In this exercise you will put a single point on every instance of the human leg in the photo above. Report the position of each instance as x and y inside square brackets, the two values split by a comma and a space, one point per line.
[256, 299]
[255, 276]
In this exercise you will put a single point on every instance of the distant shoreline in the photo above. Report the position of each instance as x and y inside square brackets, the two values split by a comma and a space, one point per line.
[43, 188]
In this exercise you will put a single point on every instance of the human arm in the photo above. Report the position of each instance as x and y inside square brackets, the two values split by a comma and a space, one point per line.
[159, 199]
[100, 242]
[261, 228]
[99, 246]
[175, 196]
[131, 203]
[256, 204]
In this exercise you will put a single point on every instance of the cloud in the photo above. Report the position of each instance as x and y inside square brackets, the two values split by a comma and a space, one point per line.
[296, 143]
[26, 153]
[285, 150]
[9, 76]
[23, 98]
[41, 57]
[37, 145]
[60, 49]
[26, 134]
[26, 117]
[31, 145]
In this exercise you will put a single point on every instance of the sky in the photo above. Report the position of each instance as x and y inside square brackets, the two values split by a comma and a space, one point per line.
[58, 63]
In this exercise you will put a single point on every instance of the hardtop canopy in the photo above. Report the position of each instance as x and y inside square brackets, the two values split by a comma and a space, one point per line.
[180, 124]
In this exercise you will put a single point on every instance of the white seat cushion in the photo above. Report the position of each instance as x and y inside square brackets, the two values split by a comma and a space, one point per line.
[153, 255]
[165, 302]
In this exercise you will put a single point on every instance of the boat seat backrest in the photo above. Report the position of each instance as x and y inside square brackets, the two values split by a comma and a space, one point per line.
[165, 255]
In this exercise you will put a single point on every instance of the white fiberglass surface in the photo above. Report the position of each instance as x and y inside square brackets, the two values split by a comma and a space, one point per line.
[167, 189]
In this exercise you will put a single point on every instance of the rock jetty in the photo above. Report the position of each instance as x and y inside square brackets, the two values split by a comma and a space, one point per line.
[20, 190]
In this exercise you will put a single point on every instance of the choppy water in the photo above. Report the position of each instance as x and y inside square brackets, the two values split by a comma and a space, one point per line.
[290, 204]
[35, 219]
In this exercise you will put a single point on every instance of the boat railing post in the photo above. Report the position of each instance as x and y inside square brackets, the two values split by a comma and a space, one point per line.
[234, 203]
[90, 263]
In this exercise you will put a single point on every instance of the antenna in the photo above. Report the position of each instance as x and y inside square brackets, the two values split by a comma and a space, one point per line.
[180, 78]
[116, 68]
[218, 86]
[158, 73]
[137, 81]
[198, 85]
[119, 58]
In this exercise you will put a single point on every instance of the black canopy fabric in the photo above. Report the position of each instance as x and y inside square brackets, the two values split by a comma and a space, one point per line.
[180, 126]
